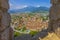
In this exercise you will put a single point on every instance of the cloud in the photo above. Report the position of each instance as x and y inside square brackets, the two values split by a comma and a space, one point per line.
[21, 6]
[37, 5]
[17, 6]
[10, 4]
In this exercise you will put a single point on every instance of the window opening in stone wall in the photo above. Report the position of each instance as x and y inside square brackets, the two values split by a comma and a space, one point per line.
[29, 17]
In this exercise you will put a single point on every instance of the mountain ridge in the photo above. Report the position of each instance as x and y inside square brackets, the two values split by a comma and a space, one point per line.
[30, 9]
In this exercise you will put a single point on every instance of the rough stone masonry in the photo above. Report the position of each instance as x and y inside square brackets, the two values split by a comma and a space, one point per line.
[54, 16]
[6, 32]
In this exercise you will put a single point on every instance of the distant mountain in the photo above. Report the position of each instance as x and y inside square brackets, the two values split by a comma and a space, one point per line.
[30, 9]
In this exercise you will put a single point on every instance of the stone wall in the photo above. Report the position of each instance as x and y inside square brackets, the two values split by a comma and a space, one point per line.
[54, 15]
[6, 32]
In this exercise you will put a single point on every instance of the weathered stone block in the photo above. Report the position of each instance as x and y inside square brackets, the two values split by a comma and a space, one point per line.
[54, 2]
[5, 21]
[55, 12]
[55, 17]
[4, 5]
[0, 18]
[7, 34]
[56, 27]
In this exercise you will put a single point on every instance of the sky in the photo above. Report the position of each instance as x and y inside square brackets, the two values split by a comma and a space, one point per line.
[19, 4]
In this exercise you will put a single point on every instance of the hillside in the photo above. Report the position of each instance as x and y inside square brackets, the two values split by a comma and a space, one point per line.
[51, 36]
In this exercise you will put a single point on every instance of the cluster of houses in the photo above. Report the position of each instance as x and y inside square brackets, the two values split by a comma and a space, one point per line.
[31, 22]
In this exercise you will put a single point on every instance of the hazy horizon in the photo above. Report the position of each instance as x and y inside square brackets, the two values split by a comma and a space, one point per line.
[14, 4]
